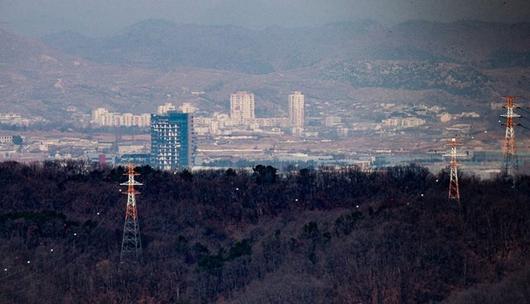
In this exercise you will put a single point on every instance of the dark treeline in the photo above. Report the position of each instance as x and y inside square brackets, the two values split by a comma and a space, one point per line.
[309, 236]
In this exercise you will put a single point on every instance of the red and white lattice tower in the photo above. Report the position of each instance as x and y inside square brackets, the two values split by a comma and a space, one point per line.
[454, 190]
[131, 246]
[510, 151]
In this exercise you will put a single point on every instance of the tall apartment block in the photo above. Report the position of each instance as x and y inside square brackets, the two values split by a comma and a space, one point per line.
[242, 107]
[172, 141]
[296, 112]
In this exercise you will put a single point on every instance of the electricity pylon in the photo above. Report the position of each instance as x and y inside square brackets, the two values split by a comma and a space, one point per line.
[131, 245]
[510, 152]
[454, 190]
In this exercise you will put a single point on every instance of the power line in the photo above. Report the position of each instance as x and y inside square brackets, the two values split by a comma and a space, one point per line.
[131, 246]
[510, 148]
[454, 189]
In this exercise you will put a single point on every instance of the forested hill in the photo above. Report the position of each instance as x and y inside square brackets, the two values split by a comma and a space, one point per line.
[311, 236]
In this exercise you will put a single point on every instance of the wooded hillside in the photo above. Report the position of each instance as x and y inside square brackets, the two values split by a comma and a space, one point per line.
[309, 236]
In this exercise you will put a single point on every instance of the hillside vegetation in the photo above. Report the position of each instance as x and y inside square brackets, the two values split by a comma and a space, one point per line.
[309, 236]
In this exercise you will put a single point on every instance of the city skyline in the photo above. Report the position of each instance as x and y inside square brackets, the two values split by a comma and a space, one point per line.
[217, 127]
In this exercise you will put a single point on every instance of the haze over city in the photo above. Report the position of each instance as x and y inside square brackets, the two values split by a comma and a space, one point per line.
[100, 17]
[294, 151]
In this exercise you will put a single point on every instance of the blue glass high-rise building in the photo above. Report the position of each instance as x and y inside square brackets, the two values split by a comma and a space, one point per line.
[172, 141]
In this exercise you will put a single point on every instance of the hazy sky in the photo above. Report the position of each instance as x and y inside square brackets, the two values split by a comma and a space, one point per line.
[100, 17]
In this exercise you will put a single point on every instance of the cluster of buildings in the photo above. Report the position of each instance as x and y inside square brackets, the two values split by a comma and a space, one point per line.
[403, 122]
[242, 117]
[447, 117]
[414, 116]
[104, 118]
[13, 119]
[173, 130]
[237, 134]
[173, 133]
[238, 137]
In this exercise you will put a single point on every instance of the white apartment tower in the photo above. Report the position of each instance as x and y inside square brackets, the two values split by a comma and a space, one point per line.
[296, 112]
[242, 107]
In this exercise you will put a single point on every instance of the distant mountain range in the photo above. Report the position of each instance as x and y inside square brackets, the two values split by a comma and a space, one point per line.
[166, 45]
[154, 61]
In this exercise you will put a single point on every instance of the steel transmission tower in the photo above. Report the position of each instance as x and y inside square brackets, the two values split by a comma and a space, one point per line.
[454, 190]
[131, 246]
[510, 151]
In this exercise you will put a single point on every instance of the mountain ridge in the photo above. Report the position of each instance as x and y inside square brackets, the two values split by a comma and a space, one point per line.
[328, 67]
[167, 44]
